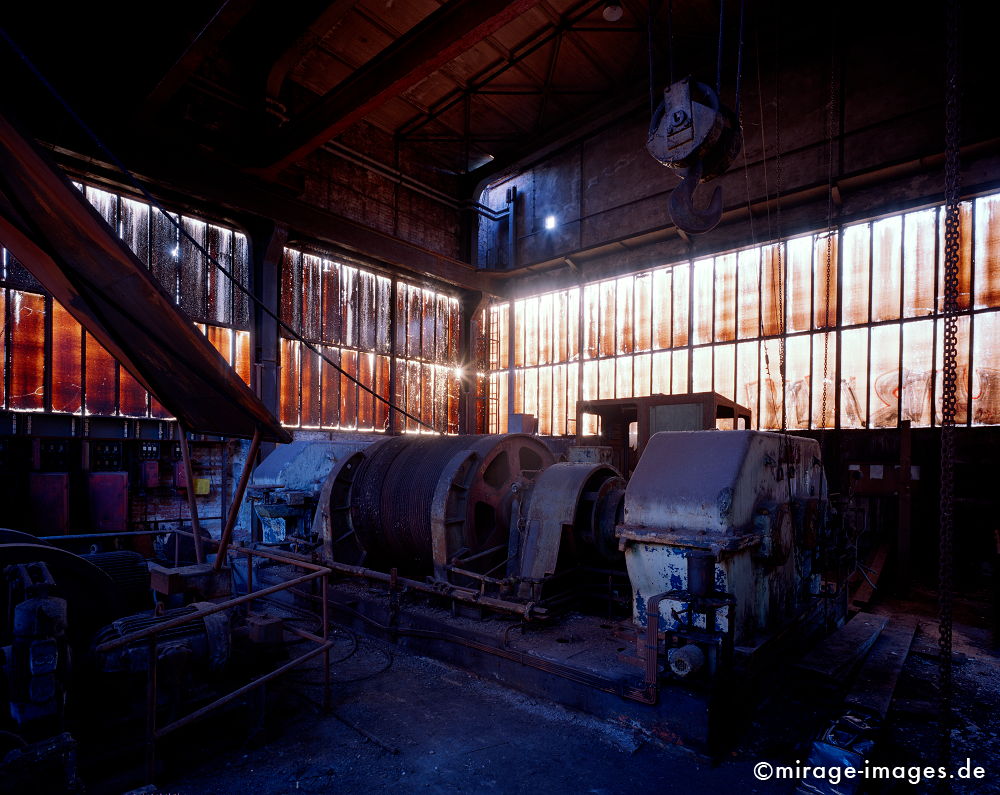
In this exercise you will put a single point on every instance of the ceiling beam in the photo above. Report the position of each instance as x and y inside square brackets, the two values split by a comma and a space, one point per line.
[447, 33]
[204, 44]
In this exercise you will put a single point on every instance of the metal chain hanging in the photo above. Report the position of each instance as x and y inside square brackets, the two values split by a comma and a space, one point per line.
[952, 255]
[831, 133]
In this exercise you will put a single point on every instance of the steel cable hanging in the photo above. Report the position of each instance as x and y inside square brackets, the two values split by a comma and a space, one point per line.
[138, 186]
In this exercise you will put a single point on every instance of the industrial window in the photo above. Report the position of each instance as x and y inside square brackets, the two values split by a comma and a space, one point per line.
[859, 313]
[52, 364]
[381, 331]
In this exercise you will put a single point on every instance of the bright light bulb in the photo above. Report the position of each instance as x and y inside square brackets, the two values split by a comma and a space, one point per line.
[550, 222]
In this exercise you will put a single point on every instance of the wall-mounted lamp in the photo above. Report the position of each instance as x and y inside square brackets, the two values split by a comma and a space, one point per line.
[550, 222]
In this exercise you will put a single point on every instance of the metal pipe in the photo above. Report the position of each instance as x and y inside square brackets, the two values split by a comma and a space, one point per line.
[199, 553]
[124, 534]
[220, 702]
[216, 608]
[234, 509]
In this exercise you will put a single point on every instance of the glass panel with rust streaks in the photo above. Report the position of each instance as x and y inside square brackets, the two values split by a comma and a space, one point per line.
[986, 370]
[454, 310]
[383, 311]
[772, 288]
[100, 382]
[679, 372]
[559, 400]
[623, 377]
[919, 241]
[887, 236]
[193, 275]
[366, 375]
[725, 371]
[561, 322]
[454, 388]
[591, 320]
[725, 298]
[67, 355]
[624, 318]
[519, 334]
[3, 336]
[242, 365]
[26, 390]
[530, 332]
[222, 341]
[856, 280]
[402, 318]
[310, 404]
[427, 378]
[590, 377]
[366, 310]
[962, 365]
[571, 394]
[330, 296]
[606, 329]
[349, 311]
[798, 270]
[703, 295]
[825, 280]
[311, 297]
[918, 371]
[241, 275]
[702, 369]
[530, 391]
[291, 289]
[642, 374]
[330, 388]
[573, 325]
[797, 377]
[220, 287]
[988, 252]
[498, 386]
[662, 300]
[545, 401]
[441, 377]
[606, 379]
[884, 376]
[503, 331]
[428, 329]
[643, 312]
[660, 376]
[546, 321]
[748, 283]
[965, 259]
[824, 380]
[349, 389]
[105, 203]
[772, 388]
[165, 251]
[382, 382]
[134, 228]
[747, 378]
[289, 398]
[854, 378]
[131, 395]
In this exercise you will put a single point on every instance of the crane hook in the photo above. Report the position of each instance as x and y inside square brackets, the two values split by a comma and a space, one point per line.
[682, 210]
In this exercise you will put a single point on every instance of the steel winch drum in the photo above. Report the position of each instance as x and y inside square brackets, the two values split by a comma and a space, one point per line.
[421, 503]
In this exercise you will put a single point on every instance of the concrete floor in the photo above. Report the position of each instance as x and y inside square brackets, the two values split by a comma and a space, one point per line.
[405, 723]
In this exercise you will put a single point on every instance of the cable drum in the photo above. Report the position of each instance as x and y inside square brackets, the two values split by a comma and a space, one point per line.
[393, 495]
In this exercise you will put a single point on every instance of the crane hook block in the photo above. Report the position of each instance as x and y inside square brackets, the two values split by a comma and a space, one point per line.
[694, 134]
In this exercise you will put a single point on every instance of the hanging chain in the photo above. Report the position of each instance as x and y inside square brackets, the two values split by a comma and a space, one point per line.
[831, 133]
[952, 254]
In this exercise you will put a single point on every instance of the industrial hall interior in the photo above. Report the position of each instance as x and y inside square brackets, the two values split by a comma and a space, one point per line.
[474, 396]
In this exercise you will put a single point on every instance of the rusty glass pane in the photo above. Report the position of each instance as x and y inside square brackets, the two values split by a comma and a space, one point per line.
[27, 351]
[241, 273]
[662, 299]
[965, 260]
[349, 307]
[643, 312]
[291, 281]
[105, 203]
[725, 298]
[682, 299]
[642, 375]
[519, 334]
[854, 378]
[382, 406]
[824, 380]
[559, 400]
[797, 403]
[67, 357]
[165, 250]
[309, 294]
[100, 382]
[825, 280]
[561, 324]
[886, 268]
[606, 327]
[702, 369]
[679, 372]
[243, 356]
[986, 373]
[366, 401]
[919, 241]
[330, 388]
[220, 287]
[988, 252]
[383, 309]
[749, 293]
[546, 309]
[134, 228]
[530, 318]
[573, 325]
[703, 298]
[349, 389]
[772, 387]
[519, 392]
[885, 376]
[661, 376]
[725, 371]
[193, 268]
[799, 291]
[454, 389]
[289, 385]
[748, 379]
[454, 331]
[918, 372]
[530, 381]
[428, 331]
[310, 399]
[623, 377]
[772, 289]
[131, 395]
[623, 324]
[856, 278]
[590, 386]
[962, 364]
[157, 410]
[606, 378]
[545, 400]
[591, 320]
[367, 318]
[572, 379]
[222, 341]
[330, 295]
